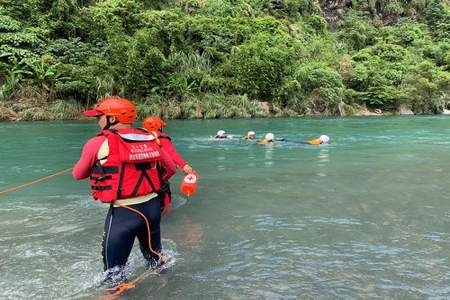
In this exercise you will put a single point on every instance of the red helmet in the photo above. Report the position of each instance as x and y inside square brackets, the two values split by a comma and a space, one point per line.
[153, 123]
[122, 109]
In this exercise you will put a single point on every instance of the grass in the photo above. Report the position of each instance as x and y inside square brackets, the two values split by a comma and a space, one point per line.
[57, 110]
[207, 106]
[32, 104]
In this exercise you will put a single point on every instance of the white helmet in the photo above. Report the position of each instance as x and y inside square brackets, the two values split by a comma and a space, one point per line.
[269, 137]
[251, 133]
[324, 139]
[221, 133]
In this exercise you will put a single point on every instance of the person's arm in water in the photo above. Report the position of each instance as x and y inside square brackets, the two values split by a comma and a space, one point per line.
[82, 168]
[168, 146]
[168, 165]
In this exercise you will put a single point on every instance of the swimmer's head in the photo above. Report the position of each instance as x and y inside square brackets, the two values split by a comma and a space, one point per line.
[324, 139]
[269, 137]
[251, 135]
[220, 133]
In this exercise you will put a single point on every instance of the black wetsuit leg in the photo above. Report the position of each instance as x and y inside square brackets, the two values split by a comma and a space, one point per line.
[153, 213]
[117, 244]
[122, 226]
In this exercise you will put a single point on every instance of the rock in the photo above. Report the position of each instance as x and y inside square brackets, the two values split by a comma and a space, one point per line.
[368, 113]
[334, 10]
[446, 112]
[363, 111]
[404, 110]
[265, 106]
[341, 109]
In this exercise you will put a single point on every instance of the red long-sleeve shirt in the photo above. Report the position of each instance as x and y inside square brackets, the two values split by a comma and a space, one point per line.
[82, 168]
[168, 146]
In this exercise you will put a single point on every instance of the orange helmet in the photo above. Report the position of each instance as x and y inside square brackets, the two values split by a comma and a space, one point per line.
[153, 123]
[122, 109]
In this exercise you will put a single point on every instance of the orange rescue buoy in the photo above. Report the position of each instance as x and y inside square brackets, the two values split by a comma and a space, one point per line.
[189, 184]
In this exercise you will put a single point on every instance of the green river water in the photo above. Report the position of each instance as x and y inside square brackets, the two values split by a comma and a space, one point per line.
[365, 217]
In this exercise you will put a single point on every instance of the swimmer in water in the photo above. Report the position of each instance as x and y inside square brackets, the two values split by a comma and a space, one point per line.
[269, 138]
[251, 135]
[323, 139]
[220, 135]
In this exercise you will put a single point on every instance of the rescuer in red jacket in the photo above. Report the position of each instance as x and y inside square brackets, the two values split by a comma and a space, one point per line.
[126, 167]
[155, 124]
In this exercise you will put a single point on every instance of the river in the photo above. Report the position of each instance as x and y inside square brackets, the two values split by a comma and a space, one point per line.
[365, 217]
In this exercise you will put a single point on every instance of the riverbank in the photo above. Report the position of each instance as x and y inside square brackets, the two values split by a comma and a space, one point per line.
[34, 109]
[222, 59]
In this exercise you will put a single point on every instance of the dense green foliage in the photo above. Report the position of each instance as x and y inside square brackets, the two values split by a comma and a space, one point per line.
[225, 58]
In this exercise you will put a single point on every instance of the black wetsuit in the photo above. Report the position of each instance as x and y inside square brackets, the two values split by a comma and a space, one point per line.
[165, 192]
[122, 226]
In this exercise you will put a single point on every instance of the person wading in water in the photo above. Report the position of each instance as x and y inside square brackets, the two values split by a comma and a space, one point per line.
[126, 167]
[154, 125]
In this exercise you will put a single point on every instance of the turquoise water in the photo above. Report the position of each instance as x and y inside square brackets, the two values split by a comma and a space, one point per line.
[366, 216]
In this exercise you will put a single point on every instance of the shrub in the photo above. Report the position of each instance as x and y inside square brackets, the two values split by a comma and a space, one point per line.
[428, 88]
[260, 65]
[314, 89]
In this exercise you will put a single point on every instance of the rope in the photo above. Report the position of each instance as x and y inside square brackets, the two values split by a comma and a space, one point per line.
[148, 229]
[121, 288]
[13, 189]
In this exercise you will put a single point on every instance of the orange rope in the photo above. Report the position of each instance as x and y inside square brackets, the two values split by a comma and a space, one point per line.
[118, 290]
[148, 229]
[121, 288]
[13, 189]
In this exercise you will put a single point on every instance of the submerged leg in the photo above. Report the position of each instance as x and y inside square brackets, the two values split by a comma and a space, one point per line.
[118, 239]
[152, 211]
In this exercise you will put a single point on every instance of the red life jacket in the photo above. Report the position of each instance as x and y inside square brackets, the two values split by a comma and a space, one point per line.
[163, 135]
[131, 167]
[160, 135]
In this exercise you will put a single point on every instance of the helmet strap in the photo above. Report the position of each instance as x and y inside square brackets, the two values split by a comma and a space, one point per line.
[109, 123]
